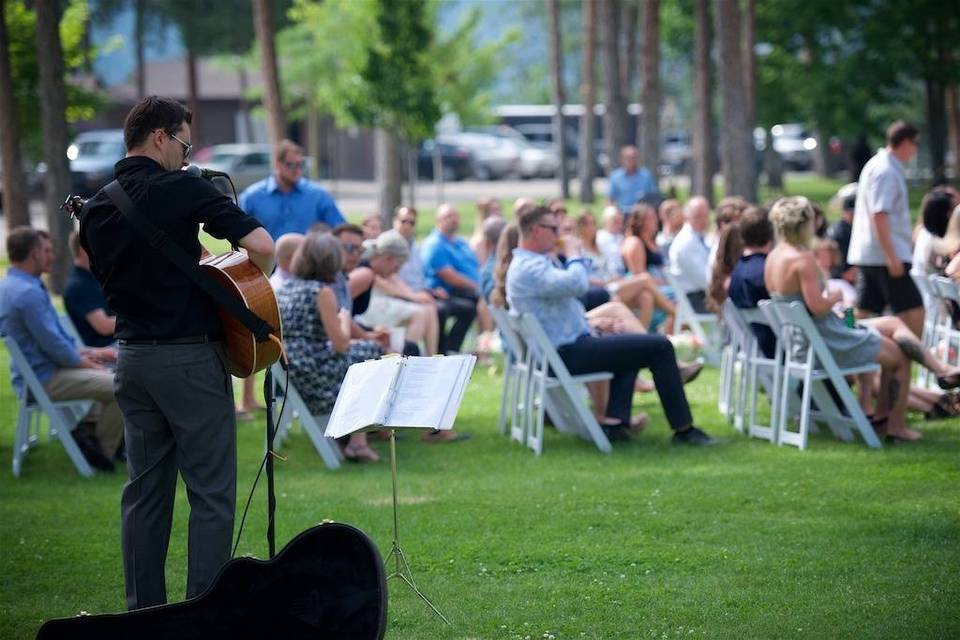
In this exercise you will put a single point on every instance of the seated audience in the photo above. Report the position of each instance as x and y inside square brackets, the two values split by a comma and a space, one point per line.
[827, 254]
[372, 226]
[492, 229]
[535, 285]
[65, 371]
[728, 212]
[645, 262]
[791, 274]
[487, 208]
[747, 287]
[840, 232]
[316, 332]
[934, 218]
[689, 253]
[392, 302]
[450, 265]
[729, 251]
[610, 238]
[671, 221]
[355, 296]
[85, 302]
[286, 246]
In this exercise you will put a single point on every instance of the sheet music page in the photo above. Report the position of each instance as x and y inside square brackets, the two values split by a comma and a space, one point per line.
[429, 391]
[364, 396]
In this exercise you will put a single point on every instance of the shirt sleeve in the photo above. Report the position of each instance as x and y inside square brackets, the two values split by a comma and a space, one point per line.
[219, 216]
[614, 189]
[44, 327]
[881, 195]
[328, 212]
[542, 279]
[80, 300]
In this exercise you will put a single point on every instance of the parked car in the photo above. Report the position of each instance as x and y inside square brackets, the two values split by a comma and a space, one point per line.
[456, 161]
[493, 157]
[245, 163]
[92, 156]
[541, 134]
[675, 151]
[537, 159]
[795, 146]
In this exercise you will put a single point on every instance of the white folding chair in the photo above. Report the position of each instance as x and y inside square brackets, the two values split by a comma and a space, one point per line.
[946, 339]
[807, 358]
[746, 366]
[516, 376]
[294, 406]
[931, 307]
[63, 416]
[554, 391]
[705, 326]
[766, 371]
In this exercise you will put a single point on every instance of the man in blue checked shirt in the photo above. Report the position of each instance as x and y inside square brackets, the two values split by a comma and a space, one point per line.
[287, 202]
[536, 285]
[66, 372]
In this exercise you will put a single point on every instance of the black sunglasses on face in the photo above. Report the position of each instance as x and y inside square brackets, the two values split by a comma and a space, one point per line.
[293, 166]
[187, 148]
[350, 248]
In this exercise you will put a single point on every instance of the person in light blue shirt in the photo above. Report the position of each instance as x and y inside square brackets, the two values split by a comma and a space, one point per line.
[630, 183]
[66, 372]
[449, 265]
[535, 285]
[286, 201]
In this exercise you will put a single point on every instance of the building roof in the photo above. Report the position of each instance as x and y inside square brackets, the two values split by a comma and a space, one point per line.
[169, 78]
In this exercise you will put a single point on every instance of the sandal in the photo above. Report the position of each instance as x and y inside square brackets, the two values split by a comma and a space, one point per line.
[946, 406]
[949, 382]
[360, 453]
[436, 436]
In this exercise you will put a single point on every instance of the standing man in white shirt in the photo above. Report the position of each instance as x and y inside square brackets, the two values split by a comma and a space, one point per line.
[689, 253]
[880, 241]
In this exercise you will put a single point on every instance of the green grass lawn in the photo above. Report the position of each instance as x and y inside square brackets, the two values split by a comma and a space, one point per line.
[742, 540]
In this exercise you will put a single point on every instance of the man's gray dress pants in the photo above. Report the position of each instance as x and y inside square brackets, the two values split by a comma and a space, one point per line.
[177, 404]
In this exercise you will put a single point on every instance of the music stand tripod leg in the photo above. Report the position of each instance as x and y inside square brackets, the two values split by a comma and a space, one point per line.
[402, 569]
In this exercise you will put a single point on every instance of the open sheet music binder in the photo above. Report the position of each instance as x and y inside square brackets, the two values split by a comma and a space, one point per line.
[401, 392]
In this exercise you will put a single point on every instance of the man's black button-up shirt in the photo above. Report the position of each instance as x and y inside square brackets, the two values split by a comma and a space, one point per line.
[152, 298]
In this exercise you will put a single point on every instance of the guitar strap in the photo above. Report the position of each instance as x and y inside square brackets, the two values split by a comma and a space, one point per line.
[160, 240]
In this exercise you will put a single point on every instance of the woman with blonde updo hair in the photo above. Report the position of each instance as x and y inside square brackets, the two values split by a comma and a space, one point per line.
[791, 274]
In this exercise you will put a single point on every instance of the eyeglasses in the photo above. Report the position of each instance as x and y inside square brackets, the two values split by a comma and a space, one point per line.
[552, 227]
[408, 223]
[293, 166]
[187, 148]
[350, 248]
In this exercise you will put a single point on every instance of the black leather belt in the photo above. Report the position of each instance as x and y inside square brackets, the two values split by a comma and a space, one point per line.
[163, 341]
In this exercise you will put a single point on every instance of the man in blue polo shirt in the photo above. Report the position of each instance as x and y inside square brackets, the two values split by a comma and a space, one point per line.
[631, 183]
[287, 202]
[449, 264]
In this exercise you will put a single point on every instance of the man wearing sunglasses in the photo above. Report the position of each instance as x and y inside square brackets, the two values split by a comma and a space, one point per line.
[286, 201]
[171, 382]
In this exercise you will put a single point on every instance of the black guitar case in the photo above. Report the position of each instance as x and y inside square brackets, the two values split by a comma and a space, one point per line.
[328, 582]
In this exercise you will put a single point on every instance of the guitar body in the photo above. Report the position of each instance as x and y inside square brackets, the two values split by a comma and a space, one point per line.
[237, 274]
[328, 582]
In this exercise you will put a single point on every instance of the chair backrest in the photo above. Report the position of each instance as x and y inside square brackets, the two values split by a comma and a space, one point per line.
[739, 328]
[31, 384]
[946, 288]
[797, 329]
[507, 323]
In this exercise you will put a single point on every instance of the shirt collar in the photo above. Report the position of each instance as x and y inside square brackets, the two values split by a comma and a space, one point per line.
[894, 161]
[14, 272]
[272, 184]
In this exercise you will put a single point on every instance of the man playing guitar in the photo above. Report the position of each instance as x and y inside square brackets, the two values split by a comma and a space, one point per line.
[172, 381]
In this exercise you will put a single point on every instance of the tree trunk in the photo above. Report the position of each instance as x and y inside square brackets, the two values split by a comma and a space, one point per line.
[936, 130]
[736, 139]
[388, 166]
[559, 97]
[749, 41]
[139, 45]
[314, 138]
[702, 149]
[16, 206]
[615, 112]
[263, 27]
[245, 105]
[196, 137]
[649, 137]
[588, 96]
[53, 110]
[772, 164]
[628, 61]
[952, 104]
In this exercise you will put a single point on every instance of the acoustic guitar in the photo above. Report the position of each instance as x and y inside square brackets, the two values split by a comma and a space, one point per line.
[328, 582]
[235, 272]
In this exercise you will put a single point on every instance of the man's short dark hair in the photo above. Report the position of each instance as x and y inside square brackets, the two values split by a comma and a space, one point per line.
[529, 218]
[22, 240]
[755, 227]
[900, 131]
[286, 147]
[150, 114]
[935, 211]
[346, 227]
